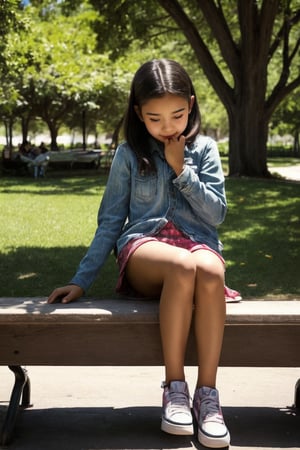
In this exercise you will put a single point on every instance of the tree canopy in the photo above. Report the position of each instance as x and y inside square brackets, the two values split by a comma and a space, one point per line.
[247, 50]
[249, 35]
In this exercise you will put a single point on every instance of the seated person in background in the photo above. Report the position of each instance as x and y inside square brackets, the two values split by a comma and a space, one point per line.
[43, 148]
[34, 157]
[5, 153]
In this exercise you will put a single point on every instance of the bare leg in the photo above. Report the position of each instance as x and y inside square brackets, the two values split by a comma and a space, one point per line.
[159, 268]
[210, 310]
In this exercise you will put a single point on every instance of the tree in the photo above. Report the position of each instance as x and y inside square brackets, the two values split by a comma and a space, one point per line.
[10, 19]
[53, 68]
[238, 44]
[265, 28]
[286, 119]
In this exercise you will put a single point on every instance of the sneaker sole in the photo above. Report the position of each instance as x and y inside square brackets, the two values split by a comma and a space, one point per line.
[213, 441]
[233, 300]
[179, 430]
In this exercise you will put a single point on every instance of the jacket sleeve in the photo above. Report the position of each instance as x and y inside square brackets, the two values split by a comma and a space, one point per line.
[111, 217]
[203, 186]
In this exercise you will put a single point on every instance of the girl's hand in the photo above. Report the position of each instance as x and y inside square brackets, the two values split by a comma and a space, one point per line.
[66, 294]
[174, 153]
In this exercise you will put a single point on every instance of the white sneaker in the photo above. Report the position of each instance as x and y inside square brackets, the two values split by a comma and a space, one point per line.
[212, 431]
[176, 416]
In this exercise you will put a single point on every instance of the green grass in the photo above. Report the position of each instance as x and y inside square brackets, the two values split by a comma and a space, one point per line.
[47, 225]
[283, 161]
[272, 162]
[261, 236]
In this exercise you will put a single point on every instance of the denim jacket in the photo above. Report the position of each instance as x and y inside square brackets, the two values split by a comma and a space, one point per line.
[136, 204]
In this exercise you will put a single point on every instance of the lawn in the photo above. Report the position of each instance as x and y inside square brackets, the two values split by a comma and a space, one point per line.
[46, 227]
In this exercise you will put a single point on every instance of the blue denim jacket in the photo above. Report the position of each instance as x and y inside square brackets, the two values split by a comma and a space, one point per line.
[135, 204]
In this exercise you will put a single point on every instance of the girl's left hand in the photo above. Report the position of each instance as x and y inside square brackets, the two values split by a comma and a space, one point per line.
[174, 153]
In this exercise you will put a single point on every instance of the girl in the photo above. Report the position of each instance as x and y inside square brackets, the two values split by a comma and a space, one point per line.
[163, 200]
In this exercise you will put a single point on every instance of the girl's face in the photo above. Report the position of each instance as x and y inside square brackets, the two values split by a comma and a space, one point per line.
[165, 117]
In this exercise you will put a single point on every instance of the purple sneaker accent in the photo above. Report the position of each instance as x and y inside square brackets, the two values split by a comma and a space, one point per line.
[212, 431]
[177, 417]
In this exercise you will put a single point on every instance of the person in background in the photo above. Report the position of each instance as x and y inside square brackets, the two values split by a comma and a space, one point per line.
[43, 148]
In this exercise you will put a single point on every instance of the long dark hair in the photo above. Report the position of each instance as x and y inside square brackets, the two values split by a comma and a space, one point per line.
[155, 79]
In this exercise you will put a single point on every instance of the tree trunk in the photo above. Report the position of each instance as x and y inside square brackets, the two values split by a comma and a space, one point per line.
[53, 134]
[247, 59]
[115, 136]
[6, 133]
[9, 134]
[25, 127]
[10, 131]
[247, 143]
[83, 129]
[247, 114]
[296, 147]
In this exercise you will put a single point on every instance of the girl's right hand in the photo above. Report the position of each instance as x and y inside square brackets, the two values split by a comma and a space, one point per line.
[174, 153]
[65, 294]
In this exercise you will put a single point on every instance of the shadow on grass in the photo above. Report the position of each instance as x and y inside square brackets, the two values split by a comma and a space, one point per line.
[28, 272]
[261, 236]
[80, 185]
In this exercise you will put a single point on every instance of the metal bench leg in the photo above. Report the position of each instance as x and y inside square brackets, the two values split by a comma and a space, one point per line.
[297, 395]
[21, 388]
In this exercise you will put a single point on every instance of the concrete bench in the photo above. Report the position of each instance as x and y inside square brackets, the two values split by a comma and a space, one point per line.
[123, 332]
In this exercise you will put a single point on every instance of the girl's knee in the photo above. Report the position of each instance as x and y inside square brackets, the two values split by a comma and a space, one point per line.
[210, 270]
[183, 264]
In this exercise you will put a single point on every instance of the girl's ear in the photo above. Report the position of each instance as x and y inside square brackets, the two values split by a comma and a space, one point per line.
[138, 111]
[192, 101]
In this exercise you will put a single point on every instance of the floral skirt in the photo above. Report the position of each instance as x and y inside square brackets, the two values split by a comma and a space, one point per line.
[168, 234]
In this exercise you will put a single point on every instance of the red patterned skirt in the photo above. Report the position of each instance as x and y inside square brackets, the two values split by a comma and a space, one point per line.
[168, 234]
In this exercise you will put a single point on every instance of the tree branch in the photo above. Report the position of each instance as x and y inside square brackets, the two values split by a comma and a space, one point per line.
[282, 88]
[293, 20]
[295, 51]
[215, 18]
[209, 66]
[279, 93]
[256, 28]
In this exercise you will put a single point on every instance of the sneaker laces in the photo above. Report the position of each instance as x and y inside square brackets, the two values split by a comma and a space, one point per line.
[177, 400]
[211, 410]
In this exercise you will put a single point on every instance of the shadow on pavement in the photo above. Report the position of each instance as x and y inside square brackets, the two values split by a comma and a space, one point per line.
[263, 426]
[139, 428]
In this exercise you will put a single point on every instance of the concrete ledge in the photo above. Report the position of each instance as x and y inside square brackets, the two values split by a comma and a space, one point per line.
[35, 309]
[126, 332]
[94, 332]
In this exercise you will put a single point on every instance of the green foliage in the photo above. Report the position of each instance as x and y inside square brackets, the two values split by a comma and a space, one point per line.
[54, 69]
[63, 58]
[286, 119]
[10, 19]
[121, 22]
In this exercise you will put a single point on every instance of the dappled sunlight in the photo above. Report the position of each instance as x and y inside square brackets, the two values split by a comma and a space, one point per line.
[48, 227]
[37, 271]
[91, 185]
[261, 237]
[24, 276]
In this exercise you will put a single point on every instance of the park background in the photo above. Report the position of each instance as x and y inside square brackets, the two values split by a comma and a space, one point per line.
[66, 68]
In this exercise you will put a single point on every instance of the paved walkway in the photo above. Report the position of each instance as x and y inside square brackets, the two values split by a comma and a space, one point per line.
[288, 172]
[93, 408]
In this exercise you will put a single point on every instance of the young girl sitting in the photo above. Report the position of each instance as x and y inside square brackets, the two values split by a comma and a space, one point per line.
[163, 201]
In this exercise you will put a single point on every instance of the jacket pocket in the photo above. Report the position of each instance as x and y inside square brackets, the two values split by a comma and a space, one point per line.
[145, 187]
